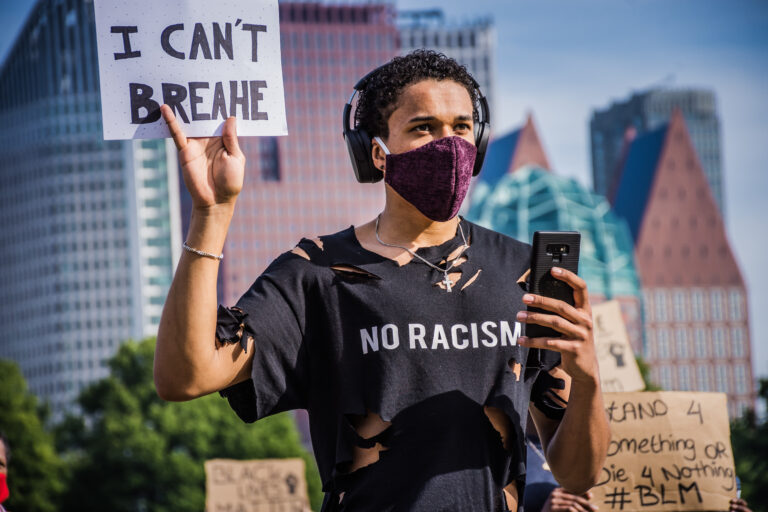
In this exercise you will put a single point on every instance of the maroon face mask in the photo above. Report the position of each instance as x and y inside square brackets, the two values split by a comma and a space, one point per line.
[434, 177]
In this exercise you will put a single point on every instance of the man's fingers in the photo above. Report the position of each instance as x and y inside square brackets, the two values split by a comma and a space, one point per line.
[555, 322]
[580, 294]
[178, 135]
[556, 344]
[555, 306]
[229, 137]
[567, 503]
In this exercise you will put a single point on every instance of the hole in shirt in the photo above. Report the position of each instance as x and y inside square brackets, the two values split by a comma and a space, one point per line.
[369, 428]
[344, 269]
[516, 368]
[502, 424]
[453, 276]
[472, 280]
[457, 254]
[298, 251]
[318, 242]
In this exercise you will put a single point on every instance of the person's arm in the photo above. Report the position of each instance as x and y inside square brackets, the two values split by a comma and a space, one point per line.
[576, 445]
[188, 361]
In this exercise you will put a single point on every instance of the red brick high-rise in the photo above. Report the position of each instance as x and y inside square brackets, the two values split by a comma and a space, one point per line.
[303, 184]
[695, 300]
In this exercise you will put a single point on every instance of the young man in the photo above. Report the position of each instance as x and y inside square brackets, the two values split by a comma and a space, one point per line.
[399, 335]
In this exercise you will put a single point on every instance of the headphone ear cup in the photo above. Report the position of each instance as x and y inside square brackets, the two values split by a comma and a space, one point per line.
[359, 148]
[481, 142]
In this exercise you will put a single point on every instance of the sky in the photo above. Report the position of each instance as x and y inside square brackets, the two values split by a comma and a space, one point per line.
[560, 60]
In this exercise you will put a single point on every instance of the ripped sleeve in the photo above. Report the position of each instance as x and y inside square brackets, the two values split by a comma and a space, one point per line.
[542, 393]
[272, 312]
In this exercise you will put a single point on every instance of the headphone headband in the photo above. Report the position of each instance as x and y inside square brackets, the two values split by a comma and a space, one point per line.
[359, 142]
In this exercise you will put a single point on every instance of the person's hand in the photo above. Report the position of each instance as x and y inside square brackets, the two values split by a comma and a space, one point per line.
[738, 505]
[561, 500]
[213, 167]
[577, 345]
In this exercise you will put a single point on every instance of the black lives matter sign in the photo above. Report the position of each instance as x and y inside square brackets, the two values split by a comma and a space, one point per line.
[206, 60]
[669, 451]
[269, 485]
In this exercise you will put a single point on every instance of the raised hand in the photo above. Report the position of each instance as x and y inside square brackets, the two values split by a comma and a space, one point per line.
[212, 167]
[577, 345]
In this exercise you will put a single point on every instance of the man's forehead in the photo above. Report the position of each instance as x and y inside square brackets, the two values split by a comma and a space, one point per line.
[431, 97]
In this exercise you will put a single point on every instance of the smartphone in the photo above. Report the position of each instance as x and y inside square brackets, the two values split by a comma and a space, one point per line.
[551, 249]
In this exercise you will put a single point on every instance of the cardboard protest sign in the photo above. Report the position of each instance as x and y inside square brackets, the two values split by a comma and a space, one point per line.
[269, 485]
[669, 451]
[618, 368]
[206, 60]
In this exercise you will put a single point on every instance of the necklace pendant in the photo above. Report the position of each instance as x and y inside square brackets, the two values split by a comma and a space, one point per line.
[447, 282]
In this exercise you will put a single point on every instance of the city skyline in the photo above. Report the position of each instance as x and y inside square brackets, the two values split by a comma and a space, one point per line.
[628, 46]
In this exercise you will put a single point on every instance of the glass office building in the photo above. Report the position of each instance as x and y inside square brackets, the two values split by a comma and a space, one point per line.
[645, 112]
[471, 43]
[91, 227]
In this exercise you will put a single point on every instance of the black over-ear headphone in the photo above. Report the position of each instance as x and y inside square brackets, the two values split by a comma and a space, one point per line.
[359, 142]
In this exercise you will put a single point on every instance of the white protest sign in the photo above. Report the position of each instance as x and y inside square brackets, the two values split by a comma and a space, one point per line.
[618, 368]
[269, 485]
[206, 60]
[669, 451]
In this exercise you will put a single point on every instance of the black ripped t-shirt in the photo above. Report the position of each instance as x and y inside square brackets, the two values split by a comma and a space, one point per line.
[344, 332]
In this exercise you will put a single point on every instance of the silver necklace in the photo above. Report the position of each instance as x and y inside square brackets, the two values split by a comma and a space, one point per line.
[446, 280]
[544, 466]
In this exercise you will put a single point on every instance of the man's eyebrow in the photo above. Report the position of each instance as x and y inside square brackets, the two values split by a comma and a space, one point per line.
[421, 119]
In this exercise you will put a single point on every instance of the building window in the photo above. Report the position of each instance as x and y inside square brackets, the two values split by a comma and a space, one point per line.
[663, 343]
[735, 306]
[679, 306]
[665, 377]
[702, 375]
[721, 378]
[684, 378]
[700, 343]
[718, 342]
[269, 155]
[716, 303]
[697, 305]
[661, 306]
[650, 345]
[741, 379]
[737, 341]
[681, 342]
[648, 303]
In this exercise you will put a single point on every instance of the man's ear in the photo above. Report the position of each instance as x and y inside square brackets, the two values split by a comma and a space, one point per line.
[378, 155]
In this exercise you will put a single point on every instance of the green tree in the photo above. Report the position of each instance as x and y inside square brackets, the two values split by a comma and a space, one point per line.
[130, 450]
[36, 474]
[749, 438]
[645, 371]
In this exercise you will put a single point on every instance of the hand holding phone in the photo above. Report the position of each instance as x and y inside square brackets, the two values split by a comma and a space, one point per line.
[551, 249]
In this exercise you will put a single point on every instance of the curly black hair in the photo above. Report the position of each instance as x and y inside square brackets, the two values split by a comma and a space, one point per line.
[380, 93]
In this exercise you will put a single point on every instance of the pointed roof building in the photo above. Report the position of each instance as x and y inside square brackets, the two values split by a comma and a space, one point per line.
[695, 320]
[512, 151]
[677, 228]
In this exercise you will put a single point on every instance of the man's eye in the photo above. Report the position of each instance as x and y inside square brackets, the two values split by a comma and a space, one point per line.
[421, 128]
[463, 126]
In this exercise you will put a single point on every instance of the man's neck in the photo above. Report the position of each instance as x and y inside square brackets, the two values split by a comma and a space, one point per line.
[402, 224]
